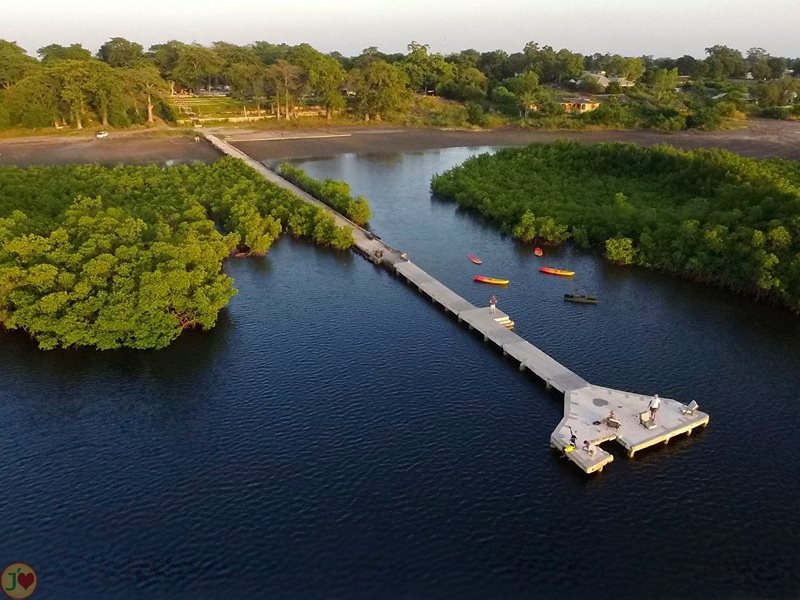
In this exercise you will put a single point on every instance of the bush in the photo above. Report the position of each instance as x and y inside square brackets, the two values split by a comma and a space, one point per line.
[620, 250]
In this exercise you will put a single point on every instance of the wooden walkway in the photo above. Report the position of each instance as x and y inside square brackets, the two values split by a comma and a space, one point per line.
[586, 406]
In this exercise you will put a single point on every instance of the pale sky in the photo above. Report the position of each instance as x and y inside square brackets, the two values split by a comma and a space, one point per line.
[631, 27]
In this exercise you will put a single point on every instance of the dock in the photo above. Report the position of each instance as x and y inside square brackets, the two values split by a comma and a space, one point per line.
[587, 407]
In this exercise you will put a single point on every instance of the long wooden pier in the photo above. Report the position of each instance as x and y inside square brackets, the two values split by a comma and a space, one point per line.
[587, 407]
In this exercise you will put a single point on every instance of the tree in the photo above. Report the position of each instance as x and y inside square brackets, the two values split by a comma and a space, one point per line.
[14, 63]
[525, 88]
[55, 52]
[105, 86]
[74, 79]
[777, 66]
[620, 250]
[380, 88]
[247, 82]
[286, 80]
[426, 71]
[196, 65]
[119, 52]
[724, 62]
[324, 76]
[664, 82]
[145, 81]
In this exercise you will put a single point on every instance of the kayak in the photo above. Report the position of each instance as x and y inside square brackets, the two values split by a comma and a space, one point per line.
[581, 298]
[538, 251]
[492, 280]
[553, 271]
[474, 259]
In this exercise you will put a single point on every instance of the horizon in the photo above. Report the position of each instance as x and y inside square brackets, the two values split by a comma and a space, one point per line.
[623, 26]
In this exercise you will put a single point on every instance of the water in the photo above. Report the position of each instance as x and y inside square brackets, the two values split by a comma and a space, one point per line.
[336, 436]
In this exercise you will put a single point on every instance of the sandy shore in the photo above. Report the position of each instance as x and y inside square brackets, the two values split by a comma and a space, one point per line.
[119, 148]
[761, 138]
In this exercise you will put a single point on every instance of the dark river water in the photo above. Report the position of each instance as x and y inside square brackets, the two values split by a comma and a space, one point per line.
[336, 436]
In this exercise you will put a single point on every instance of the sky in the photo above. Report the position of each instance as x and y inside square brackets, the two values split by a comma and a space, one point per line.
[629, 27]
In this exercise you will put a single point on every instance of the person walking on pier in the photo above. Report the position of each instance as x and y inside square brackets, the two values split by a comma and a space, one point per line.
[493, 304]
[655, 404]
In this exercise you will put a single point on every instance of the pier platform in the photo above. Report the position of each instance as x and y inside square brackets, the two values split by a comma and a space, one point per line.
[586, 412]
[586, 406]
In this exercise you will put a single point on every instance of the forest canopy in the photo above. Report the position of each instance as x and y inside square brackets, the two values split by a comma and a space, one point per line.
[132, 256]
[122, 85]
[706, 214]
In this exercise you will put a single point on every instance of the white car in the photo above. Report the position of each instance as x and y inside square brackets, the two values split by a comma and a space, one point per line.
[101, 135]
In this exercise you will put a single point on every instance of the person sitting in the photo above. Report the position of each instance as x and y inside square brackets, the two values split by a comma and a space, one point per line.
[612, 421]
[588, 447]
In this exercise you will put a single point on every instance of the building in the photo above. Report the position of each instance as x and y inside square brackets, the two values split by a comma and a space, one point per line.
[579, 105]
[603, 81]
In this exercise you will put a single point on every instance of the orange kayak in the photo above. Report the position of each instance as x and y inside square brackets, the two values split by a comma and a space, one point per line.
[553, 271]
[492, 280]
[538, 251]
[474, 259]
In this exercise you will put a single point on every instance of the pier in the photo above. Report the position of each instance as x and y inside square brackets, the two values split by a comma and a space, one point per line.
[587, 407]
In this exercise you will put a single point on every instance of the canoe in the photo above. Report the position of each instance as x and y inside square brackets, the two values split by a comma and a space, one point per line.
[552, 271]
[474, 259]
[492, 280]
[581, 298]
[538, 251]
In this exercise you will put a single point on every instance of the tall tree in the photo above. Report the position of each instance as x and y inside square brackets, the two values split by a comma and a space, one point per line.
[286, 80]
[55, 52]
[145, 81]
[196, 65]
[324, 76]
[14, 63]
[380, 88]
[724, 62]
[119, 52]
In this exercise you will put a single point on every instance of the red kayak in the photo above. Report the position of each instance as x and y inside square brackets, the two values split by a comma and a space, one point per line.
[475, 259]
[552, 271]
[492, 280]
[538, 251]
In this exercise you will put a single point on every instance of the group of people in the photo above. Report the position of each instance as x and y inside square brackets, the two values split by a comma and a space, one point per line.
[611, 420]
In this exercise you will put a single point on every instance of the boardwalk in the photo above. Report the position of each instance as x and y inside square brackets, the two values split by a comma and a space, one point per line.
[586, 406]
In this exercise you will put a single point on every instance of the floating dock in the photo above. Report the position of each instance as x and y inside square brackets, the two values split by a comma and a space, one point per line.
[587, 407]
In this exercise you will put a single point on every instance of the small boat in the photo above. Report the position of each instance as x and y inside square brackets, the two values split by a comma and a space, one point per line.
[492, 280]
[474, 259]
[552, 271]
[538, 251]
[581, 298]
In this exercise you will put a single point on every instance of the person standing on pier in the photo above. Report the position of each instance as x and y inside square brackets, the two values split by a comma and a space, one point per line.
[655, 404]
[493, 304]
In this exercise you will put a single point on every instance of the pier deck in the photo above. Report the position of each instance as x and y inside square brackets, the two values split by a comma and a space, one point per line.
[586, 406]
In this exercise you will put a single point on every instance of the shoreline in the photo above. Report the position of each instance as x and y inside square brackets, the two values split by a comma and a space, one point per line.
[761, 138]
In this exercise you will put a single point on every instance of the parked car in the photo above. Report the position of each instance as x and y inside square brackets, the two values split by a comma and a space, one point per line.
[101, 135]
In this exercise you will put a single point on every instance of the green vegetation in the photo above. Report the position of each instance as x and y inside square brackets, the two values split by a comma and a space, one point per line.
[705, 214]
[131, 256]
[123, 85]
[332, 192]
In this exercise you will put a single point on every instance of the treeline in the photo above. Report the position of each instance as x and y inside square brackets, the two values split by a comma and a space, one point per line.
[132, 256]
[332, 192]
[706, 214]
[123, 84]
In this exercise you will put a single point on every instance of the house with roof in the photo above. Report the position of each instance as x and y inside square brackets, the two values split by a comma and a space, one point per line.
[579, 105]
[603, 81]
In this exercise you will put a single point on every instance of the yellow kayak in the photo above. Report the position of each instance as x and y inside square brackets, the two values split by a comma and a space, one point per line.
[492, 280]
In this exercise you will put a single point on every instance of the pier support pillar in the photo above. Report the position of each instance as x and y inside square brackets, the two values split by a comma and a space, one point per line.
[521, 366]
[689, 432]
[485, 338]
